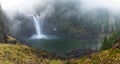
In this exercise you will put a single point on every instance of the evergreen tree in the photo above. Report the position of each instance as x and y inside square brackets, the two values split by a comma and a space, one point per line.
[111, 40]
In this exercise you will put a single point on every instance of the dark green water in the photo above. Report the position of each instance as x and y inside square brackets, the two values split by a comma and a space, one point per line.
[61, 45]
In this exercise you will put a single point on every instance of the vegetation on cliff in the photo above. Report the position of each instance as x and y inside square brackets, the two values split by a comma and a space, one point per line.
[111, 40]
[110, 56]
[14, 53]
[21, 54]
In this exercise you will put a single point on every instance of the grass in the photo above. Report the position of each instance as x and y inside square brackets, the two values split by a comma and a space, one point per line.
[110, 56]
[21, 54]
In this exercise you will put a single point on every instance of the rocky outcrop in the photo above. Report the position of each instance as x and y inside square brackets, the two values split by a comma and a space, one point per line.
[116, 46]
[77, 53]
[3, 26]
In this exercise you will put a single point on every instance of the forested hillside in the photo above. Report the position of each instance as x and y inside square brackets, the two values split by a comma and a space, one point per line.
[59, 33]
[69, 21]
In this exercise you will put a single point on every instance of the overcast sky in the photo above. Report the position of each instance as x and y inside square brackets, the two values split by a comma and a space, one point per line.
[22, 5]
[28, 5]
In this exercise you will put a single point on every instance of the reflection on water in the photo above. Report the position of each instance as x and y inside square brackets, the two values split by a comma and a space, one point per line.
[61, 45]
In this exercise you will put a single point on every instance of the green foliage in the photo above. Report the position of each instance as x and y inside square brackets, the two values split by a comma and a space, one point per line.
[106, 43]
[6, 62]
[111, 40]
[20, 54]
[110, 56]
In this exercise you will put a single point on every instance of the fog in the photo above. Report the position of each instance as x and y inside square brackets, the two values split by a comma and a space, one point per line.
[20, 11]
[24, 6]
[112, 5]
[27, 6]
[47, 8]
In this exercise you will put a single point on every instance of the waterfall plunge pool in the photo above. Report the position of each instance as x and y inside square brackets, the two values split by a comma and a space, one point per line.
[56, 45]
[61, 45]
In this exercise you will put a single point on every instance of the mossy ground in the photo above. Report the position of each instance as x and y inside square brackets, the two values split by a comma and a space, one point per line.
[111, 56]
[21, 54]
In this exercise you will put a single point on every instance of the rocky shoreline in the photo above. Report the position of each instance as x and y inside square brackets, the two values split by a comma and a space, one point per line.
[77, 53]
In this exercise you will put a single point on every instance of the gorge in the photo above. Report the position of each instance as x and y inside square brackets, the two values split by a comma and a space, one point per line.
[59, 32]
[73, 26]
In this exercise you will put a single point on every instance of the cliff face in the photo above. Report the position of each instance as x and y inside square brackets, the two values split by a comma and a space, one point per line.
[3, 27]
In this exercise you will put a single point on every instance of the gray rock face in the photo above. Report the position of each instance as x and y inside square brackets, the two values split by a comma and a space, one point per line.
[3, 26]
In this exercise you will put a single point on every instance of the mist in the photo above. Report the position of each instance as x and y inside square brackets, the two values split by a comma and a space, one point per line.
[24, 6]
[47, 9]
[85, 20]
[111, 5]
[28, 6]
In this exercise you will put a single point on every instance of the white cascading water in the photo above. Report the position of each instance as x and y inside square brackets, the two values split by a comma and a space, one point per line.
[37, 25]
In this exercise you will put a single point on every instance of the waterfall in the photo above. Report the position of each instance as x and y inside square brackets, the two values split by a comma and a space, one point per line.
[37, 24]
